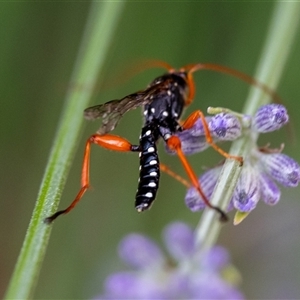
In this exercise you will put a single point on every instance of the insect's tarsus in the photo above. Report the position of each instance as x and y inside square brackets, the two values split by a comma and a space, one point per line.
[50, 219]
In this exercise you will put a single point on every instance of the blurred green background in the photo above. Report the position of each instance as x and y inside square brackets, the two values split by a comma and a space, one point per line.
[39, 43]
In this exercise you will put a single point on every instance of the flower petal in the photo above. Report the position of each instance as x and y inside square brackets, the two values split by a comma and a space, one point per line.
[215, 259]
[198, 128]
[191, 144]
[225, 126]
[270, 193]
[140, 252]
[122, 284]
[129, 285]
[282, 168]
[270, 117]
[179, 239]
[211, 286]
[207, 181]
[247, 192]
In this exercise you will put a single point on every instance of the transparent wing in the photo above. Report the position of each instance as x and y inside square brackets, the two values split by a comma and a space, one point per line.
[112, 111]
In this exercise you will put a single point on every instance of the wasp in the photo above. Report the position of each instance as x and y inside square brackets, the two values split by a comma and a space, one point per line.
[163, 102]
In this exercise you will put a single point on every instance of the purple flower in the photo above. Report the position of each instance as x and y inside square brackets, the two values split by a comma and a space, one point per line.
[191, 144]
[207, 181]
[263, 168]
[257, 182]
[146, 252]
[222, 127]
[132, 285]
[197, 129]
[179, 240]
[270, 117]
[270, 192]
[217, 258]
[247, 191]
[182, 275]
[281, 168]
[225, 127]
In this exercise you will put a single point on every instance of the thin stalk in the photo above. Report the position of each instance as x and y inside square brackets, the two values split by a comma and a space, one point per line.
[102, 21]
[281, 33]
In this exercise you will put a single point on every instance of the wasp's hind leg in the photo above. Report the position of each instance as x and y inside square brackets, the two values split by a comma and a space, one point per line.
[174, 144]
[107, 141]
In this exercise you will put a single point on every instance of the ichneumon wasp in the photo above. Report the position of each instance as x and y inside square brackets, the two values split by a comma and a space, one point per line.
[163, 102]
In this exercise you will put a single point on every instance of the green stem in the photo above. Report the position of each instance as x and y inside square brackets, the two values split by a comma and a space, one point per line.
[282, 31]
[102, 21]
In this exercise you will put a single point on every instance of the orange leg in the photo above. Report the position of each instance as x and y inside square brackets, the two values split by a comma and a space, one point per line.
[174, 144]
[190, 121]
[171, 173]
[107, 141]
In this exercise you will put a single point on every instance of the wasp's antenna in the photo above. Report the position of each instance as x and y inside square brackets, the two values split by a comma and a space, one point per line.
[191, 68]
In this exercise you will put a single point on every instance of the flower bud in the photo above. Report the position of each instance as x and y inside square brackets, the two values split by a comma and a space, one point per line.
[270, 117]
[225, 127]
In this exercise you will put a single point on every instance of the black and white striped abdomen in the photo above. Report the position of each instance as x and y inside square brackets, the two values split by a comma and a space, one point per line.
[149, 169]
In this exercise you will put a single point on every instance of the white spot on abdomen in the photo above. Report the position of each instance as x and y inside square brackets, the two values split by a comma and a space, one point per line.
[149, 195]
[151, 149]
